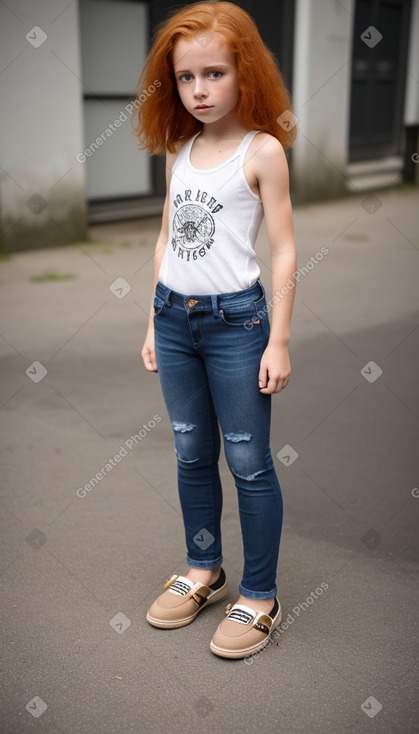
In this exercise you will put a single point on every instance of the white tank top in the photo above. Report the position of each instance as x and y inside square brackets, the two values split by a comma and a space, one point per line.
[214, 219]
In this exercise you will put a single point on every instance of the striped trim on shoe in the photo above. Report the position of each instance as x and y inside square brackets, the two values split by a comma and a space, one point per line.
[182, 601]
[244, 631]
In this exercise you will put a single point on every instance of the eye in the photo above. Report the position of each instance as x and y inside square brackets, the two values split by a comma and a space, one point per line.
[185, 77]
[215, 74]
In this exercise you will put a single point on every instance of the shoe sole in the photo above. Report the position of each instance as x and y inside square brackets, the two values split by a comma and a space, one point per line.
[223, 652]
[218, 595]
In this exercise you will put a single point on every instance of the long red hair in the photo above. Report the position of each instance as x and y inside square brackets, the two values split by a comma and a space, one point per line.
[160, 119]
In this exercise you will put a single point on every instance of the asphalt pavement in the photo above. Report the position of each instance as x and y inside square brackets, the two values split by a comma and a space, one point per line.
[90, 518]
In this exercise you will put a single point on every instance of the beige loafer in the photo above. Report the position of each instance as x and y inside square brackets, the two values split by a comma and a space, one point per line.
[244, 631]
[183, 600]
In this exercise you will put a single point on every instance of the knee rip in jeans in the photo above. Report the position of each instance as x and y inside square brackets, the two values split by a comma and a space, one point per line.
[183, 443]
[239, 455]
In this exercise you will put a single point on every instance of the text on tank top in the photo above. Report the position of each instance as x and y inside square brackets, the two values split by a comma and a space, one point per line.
[214, 219]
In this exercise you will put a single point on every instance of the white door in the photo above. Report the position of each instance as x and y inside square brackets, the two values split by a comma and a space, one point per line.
[114, 37]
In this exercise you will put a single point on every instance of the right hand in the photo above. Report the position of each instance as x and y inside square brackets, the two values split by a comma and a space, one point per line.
[148, 352]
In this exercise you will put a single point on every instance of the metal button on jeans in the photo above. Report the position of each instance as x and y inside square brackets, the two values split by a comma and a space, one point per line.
[191, 302]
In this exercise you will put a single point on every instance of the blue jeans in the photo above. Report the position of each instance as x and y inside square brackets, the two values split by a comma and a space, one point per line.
[208, 351]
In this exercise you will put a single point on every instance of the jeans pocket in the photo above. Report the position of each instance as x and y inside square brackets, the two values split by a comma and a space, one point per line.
[244, 316]
[158, 305]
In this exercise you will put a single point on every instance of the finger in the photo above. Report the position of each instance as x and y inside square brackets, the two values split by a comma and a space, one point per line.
[270, 387]
[263, 378]
[149, 361]
[151, 367]
[274, 385]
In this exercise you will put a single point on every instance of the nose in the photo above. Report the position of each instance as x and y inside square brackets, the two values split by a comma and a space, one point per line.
[200, 89]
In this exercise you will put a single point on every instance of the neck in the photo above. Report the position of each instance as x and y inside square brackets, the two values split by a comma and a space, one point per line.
[227, 128]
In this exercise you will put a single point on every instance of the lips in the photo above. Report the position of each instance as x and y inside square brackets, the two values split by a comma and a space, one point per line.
[203, 107]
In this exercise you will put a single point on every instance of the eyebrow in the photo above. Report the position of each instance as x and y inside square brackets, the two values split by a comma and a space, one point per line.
[206, 68]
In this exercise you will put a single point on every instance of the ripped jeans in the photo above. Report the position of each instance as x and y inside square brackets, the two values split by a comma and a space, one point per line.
[208, 351]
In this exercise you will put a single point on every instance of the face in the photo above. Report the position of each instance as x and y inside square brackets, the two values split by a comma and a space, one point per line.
[206, 76]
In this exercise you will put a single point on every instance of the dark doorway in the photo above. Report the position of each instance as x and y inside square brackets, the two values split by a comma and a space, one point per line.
[379, 61]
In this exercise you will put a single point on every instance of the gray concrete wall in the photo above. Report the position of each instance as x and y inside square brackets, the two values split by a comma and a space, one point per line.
[42, 187]
[321, 96]
[411, 112]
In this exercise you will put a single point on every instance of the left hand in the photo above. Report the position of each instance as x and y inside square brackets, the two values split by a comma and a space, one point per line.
[275, 369]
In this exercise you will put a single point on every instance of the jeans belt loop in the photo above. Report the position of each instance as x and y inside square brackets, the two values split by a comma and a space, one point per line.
[214, 302]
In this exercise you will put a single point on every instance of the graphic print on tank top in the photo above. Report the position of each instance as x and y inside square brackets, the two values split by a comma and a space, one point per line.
[214, 219]
[193, 226]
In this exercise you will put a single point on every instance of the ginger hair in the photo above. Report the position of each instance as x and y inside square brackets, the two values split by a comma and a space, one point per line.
[160, 120]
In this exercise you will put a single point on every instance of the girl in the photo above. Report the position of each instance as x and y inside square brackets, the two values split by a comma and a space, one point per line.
[218, 96]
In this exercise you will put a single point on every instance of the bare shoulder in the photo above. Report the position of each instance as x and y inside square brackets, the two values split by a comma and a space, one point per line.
[266, 164]
[264, 149]
[171, 158]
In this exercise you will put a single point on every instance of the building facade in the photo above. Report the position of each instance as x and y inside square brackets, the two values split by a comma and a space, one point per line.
[68, 155]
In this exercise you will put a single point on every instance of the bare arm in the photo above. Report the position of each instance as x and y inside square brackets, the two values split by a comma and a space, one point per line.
[148, 350]
[271, 168]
